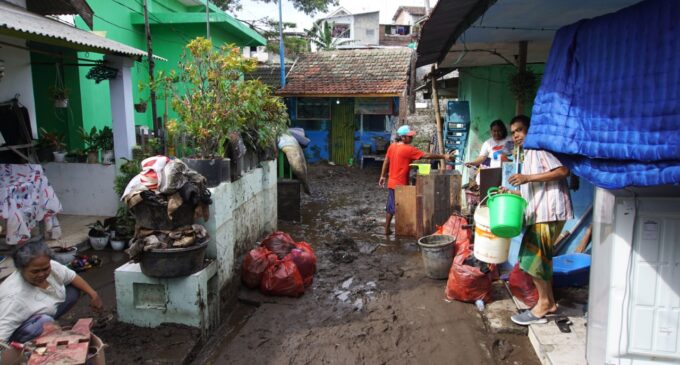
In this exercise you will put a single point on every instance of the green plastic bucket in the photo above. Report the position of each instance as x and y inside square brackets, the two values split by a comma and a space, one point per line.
[506, 213]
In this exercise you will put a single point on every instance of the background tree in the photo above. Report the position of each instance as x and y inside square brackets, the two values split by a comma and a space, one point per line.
[321, 35]
[309, 7]
[294, 44]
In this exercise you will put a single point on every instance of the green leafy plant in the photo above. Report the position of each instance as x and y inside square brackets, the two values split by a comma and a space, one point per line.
[321, 35]
[98, 229]
[52, 140]
[91, 139]
[125, 222]
[106, 139]
[59, 93]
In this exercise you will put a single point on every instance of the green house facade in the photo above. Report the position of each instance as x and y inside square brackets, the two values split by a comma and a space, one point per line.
[173, 24]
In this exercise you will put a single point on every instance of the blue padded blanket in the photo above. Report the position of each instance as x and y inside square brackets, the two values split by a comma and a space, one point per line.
[609, 102]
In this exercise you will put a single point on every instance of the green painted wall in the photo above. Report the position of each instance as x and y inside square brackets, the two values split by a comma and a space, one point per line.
[44, 73]
[487, 90]
[168, 42]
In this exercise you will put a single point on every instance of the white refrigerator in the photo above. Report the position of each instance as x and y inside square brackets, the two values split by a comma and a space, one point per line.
[634, 297]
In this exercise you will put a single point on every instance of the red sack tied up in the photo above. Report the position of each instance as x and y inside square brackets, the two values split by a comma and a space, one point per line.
[522, 286]
[304, 258]
[255, 264]
[467, 283]
[283, 279]
[279, 243]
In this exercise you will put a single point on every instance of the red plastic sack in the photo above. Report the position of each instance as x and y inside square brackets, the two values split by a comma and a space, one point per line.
[279, 243]
[282, 278]
[304, 258]
[255, 264]
[522, 286]
[467, 283]
[454, 226]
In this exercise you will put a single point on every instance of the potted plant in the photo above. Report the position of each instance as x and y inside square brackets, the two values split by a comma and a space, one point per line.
[106, 144]
[171, 134]
[98, 235]
[208, 103]
[140, 106]
[124, 228]
[64, 255]
[55, 142]
[60, 96]
[91, 141]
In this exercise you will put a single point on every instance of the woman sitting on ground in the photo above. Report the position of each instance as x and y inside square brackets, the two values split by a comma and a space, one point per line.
[38, 292]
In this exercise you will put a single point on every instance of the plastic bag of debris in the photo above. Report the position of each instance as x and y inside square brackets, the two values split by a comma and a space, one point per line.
[279, 243]
[283, 279]
[468, 283]
[305, 259]
[255, 264]
[457, 226]
[522, 286]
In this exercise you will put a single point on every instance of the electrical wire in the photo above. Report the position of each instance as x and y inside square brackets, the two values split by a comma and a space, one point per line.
[626, 290]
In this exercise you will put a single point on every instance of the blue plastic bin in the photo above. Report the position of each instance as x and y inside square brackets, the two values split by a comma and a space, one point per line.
[571, 270]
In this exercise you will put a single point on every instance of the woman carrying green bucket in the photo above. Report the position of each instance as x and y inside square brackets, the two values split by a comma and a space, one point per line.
[542, 183]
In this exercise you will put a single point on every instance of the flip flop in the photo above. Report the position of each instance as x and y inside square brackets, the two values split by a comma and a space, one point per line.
[563, 324]
[526, 318]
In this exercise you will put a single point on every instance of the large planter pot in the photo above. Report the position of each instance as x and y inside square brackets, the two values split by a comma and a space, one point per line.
[211, 169]
[59, 156]
[99, 243]
[119, 243]
[236, 167]
[45, 154]
[140, 107]
[92, 157]
[226, 170]
[173, 262]
[107, 157]
[64, 255]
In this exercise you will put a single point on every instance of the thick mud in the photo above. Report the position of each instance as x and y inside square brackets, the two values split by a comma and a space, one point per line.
[370, 302]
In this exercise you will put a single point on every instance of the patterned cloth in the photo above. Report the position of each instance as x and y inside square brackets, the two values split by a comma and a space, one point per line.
[27, 198]
[536, 251]
[546, 201]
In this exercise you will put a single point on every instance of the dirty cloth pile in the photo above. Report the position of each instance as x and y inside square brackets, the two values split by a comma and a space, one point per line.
[469, 279]
[168, 182]
[149, 239]
[27, 198]
[280, 266]
[163, 186]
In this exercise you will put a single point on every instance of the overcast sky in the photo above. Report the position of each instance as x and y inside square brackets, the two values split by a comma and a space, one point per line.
[253, 10]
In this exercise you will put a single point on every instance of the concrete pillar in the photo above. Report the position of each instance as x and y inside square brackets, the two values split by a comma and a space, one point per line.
[122, 103]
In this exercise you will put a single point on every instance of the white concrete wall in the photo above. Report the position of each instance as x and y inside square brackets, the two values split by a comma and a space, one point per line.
[84, 189]
[366, 29]
[241, 213]
[18, 78]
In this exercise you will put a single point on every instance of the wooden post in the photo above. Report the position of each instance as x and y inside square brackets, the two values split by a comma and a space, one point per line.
[152, 89]
[521, 68]
[437, 116]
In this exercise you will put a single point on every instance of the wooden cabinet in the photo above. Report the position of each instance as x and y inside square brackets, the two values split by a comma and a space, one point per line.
[420, 208]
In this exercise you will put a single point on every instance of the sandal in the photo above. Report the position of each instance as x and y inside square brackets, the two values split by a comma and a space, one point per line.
[526, 318]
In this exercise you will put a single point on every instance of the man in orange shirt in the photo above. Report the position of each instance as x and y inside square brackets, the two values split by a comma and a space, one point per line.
[399, 155]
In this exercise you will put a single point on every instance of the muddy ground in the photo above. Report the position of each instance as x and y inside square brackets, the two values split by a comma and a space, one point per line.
[370, 303]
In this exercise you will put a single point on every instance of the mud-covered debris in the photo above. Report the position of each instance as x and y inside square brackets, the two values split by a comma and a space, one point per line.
[340, 256]
[347, 283]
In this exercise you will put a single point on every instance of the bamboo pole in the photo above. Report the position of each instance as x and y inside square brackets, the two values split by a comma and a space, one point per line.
[437, 116]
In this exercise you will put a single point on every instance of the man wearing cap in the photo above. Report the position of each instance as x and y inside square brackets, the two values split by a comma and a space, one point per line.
[397, 160]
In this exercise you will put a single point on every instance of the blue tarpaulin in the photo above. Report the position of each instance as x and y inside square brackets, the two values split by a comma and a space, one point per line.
[609, 102]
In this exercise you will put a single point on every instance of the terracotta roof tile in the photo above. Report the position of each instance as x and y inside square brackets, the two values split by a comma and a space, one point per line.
[350, 72]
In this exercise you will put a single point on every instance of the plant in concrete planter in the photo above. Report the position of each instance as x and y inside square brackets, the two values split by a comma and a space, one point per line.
[60, 96]
[91, 141]
[106, 144]
[98, 235]
[210, 102]
[53, 142]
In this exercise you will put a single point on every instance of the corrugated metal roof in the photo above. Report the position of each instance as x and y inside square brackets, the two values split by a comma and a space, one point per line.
[18, 22]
